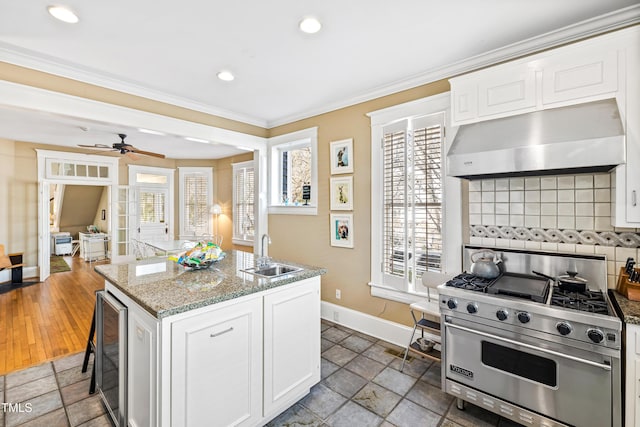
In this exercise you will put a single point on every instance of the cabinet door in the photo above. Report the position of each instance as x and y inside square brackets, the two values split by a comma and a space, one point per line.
[464, 102]
[505, 91]
[216, 367]
[580, 73]
[143, 333]
[291, 344]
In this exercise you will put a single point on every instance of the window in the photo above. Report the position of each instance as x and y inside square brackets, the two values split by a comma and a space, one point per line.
[243, 203]
[196, 198]
[293, 169]
[409, 230]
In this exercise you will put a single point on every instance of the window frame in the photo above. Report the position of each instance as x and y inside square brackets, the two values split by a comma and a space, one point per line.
[183, 172]
[451, 262]
[237, 168]
[303, 138]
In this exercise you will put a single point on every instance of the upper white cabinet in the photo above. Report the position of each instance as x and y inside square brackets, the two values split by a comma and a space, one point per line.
[560, 77]
[602, 67]
[579, 73]
[507, 90]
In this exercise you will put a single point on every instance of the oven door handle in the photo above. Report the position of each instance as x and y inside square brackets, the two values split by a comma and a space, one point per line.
[531, 347]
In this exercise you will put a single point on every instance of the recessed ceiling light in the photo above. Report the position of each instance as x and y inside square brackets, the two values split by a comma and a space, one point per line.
[151, 132]
[188, 138]
[226, 76]
[310, 25]
[63, 13]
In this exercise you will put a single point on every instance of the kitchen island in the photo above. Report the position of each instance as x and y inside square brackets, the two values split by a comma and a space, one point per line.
[217, 346]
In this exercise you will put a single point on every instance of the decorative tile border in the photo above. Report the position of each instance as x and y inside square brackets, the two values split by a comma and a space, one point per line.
[587, 237]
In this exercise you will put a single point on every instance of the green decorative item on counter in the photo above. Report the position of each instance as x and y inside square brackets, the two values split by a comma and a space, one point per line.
[201, 256]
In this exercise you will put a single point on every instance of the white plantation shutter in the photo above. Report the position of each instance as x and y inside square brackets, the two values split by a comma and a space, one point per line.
[196, 198]
[243, 201]
[412, 200]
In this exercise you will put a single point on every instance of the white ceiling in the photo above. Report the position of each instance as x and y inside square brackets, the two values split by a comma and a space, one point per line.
[171, 51]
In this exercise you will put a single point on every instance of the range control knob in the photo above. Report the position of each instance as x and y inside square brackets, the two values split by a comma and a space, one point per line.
[564, 328]
[472, 308]
[502, 314]
[524, 317]
[595, 335]
[452, 304]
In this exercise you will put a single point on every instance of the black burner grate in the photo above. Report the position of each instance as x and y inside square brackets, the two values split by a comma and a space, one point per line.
[470, 282]
[590, 301]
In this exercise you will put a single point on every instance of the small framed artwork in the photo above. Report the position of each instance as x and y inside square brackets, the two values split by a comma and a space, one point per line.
[342, 230]
[341, 156]
[341, 193]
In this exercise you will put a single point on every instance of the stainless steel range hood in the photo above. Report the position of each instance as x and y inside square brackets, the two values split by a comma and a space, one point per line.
[587, 137]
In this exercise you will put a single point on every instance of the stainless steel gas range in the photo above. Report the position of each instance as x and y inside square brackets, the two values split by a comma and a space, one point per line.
[521, 347]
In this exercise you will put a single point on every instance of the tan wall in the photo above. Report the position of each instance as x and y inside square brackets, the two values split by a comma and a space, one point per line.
[306, 238]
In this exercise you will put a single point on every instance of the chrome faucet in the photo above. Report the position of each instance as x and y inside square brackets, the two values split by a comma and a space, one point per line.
[263, 260]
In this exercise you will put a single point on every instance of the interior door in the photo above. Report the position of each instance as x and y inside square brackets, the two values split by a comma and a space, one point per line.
[153, 213]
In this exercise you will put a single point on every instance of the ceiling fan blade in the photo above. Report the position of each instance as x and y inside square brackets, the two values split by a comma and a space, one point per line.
[147, 153]
[96, 146]
[132, 156]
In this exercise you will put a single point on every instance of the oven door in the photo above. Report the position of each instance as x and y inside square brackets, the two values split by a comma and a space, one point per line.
[568, 384]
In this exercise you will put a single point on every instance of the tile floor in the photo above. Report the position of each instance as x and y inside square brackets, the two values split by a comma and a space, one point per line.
[53, 394]
[361, 387]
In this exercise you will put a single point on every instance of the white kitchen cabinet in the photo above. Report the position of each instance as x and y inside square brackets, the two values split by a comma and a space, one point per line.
[507, 90]
[632, 377]
[584, 71]
[579, 73]
[625, 206]
[216, 367]
[291, 344]
[142, 384]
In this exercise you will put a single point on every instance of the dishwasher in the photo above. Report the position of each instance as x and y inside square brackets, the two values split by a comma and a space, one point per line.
[111, 356]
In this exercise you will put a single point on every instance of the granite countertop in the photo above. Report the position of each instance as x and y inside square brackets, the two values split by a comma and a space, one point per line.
[164, 288]
[630, 309]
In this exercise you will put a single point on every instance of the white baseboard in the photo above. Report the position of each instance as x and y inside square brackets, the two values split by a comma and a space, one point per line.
[27, 273]
[386, 330]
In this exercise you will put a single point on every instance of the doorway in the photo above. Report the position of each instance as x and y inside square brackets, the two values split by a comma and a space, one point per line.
[72, 170]
[153, 191]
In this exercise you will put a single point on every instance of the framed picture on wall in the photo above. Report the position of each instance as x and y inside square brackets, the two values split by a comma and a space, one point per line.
[341, 156]
[341, 192]
[341, 230]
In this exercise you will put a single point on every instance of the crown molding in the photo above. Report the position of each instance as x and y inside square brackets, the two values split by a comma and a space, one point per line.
[599, 25]
[47, 64]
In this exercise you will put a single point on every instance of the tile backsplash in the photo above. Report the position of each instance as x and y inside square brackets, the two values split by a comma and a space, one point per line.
[565, 213]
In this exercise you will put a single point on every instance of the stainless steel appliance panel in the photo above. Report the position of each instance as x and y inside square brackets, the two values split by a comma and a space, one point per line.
[111, 356]
[540, 375]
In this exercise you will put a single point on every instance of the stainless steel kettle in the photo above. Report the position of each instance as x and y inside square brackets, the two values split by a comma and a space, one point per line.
[485, 266]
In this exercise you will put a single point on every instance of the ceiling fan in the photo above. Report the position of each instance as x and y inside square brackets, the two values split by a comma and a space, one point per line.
[124, 148]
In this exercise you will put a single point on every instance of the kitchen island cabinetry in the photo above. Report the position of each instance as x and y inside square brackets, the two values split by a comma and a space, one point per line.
[216, 366]
[291, 345]
[216, 347]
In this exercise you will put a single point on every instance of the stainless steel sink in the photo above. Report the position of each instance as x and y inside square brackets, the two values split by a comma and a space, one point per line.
[273, 270]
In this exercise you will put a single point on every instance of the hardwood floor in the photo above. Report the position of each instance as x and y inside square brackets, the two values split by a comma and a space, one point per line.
[48, 320]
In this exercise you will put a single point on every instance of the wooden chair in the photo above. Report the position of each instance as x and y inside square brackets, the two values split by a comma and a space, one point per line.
[14, 263]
